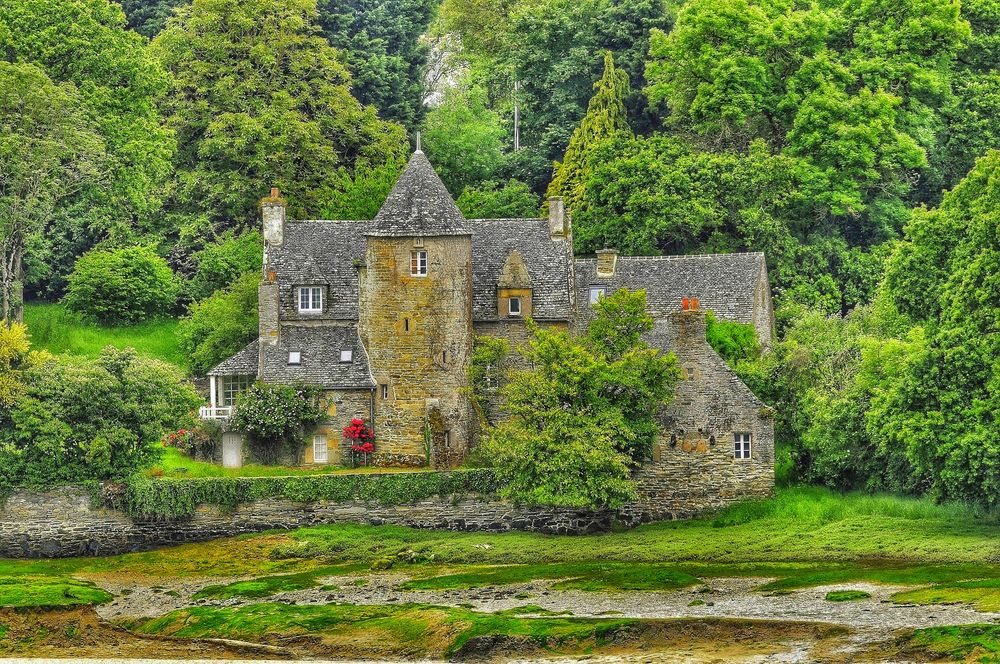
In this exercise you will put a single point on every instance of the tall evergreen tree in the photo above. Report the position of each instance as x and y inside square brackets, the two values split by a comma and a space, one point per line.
[606, 118]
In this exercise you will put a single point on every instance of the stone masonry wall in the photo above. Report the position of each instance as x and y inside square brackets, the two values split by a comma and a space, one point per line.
[694, 469]
[418, 333]
[62, 522]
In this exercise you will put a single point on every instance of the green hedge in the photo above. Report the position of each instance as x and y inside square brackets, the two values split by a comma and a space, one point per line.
[147, 498]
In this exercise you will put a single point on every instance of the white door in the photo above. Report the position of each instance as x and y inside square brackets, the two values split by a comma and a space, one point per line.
[321, 452]
[232, 450]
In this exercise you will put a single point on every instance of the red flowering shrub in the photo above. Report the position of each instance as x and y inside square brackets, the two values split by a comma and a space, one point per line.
[362, 439]
[195, 443]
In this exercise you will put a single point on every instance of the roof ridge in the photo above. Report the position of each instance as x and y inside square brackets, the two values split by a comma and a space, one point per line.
[682, 256]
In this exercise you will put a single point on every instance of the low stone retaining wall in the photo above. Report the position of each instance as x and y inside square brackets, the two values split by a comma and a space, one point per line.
[62, 522]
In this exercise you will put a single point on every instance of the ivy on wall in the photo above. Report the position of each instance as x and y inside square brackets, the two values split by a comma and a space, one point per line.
[155, 499]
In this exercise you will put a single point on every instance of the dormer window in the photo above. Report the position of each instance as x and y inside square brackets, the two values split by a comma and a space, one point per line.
[294, 357]
[596, 293]
[418, 263]
[514, 306]
[310, 299]
[347, 355]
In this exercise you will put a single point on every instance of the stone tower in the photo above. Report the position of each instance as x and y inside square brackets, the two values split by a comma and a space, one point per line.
[415, 319]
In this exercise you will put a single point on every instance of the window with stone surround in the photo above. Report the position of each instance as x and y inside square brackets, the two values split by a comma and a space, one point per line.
[741, 445]
[418, 263]
[514, 306]
[310, 299]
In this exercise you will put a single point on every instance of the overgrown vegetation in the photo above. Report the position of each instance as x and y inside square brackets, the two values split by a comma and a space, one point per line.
[121, 286]
[166, 499]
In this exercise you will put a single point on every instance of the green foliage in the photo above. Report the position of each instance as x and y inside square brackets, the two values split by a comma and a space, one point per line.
[260, 99]
[170, 499]
[221, 325]
[733, 341]
[44, 591]
[359, 195]
[16, 357]
[86, 419]
[224, 261]
[584, 414]
[48, 149]
[57, 331]
[487, 373]
[121, 286]
[83, 44]
[276, 416]
[498, 200]
[846, 595]
[959, 642]
[606, 119]
[149, 17]
[462, 138]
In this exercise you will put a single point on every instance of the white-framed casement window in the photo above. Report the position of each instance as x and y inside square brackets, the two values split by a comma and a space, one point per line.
[321, 449]
[741, 445]
[232, 386]
[596, 293]
[514, 306]
[295, 357]
[418, 263]
[310, 299]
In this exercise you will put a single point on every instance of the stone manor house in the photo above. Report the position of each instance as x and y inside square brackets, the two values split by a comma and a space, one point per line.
[382, 315]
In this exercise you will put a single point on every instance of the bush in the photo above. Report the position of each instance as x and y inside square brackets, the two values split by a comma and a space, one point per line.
[733, 341]
[275, 417]
[83, 419]
[167, 499]
[496, 200]
[221, 325]
[121, 286]
[221, 263]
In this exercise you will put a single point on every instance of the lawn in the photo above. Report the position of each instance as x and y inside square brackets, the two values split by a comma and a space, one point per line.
[54, 328]
[175, 464]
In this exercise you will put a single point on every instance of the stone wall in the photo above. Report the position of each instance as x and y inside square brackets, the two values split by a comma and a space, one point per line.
[418, 333]
[694, 468]
[62, 523]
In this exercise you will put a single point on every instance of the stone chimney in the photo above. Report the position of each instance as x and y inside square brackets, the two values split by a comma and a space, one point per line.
[607, 260]
[558, 219]
[273, 213]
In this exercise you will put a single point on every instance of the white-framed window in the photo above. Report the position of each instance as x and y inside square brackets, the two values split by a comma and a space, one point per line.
[741, 445]
[514, 306]
[418, 263]
[596, 293]
[347, 355]
[321, 449]
[232, 386]
[295, 357]
[310, 299]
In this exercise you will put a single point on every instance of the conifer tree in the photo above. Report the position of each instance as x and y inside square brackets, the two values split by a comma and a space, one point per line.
[606, 117]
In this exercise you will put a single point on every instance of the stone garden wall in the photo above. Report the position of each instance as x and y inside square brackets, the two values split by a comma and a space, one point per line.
[63, 523]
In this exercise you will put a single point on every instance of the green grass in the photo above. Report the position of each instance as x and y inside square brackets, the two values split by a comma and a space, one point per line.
[423, 629]
[846, 595]
[580, 576]
[54, 328]
[272, 585]
[983, 594]
[36, 591]
[175, 464]
[960, 642]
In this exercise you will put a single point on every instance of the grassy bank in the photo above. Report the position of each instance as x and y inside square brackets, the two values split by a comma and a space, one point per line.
[57, 330]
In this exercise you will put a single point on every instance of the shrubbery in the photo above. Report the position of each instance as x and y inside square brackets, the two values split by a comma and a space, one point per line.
[221, 325]
[276, 417]
[121, 286]
[78, 419]
[223, 262]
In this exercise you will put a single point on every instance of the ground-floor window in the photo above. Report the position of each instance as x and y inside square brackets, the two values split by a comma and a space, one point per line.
[321, 451]
[232, 386]
[741, 442]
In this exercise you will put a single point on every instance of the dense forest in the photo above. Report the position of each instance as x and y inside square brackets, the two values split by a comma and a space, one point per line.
[850, 140]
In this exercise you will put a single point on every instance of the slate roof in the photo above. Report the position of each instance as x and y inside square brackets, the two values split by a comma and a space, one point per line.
[244, 363]
[723, 283]
[320, 365]
[548, 262]
[318, 252]
[419, 205]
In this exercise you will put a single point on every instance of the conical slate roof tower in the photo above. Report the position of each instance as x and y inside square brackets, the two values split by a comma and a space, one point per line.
[419, 205]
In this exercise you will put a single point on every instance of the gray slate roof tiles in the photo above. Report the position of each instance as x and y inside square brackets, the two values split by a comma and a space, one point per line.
[419, 205]
[244, 363]
[320, 363]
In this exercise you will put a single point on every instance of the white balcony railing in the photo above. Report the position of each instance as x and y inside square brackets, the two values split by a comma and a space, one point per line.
[215, 412]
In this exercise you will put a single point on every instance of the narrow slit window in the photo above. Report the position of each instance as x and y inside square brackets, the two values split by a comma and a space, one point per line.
[385, 390]
[741, 443]
[514, 306]
[418, 263]
[406, 325]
